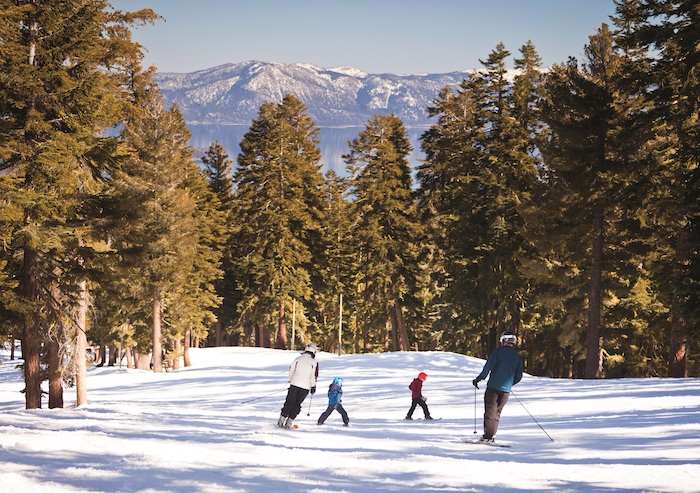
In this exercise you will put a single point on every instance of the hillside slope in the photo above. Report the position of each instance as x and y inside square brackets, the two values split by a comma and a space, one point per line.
[197, 430]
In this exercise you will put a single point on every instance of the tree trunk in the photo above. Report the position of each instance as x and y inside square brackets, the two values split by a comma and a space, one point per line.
[31, 337]
[12, 347]
[80, 363]
[593, 353]
[112, 355]
[281, 342]
[399, 328]
[157, 347]
[678, 357]
[219, 340]
[55, 372]
[186, 353]
[103, 355]
[143, 361]
[130, 363]
[178, 353]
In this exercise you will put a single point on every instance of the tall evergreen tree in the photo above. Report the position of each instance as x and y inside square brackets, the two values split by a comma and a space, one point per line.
[594, 172]
[278, 204]
[664, 34]
[385, 226]
[150, 192]
[218, 168]
[59, 89]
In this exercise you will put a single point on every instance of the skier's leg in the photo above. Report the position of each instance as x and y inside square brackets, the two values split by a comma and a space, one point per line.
[343, 414]
[324, 416]
[414, 403]
[300, 395]
[490, 413]
[288, 402]
[502, 398]
[424, 406]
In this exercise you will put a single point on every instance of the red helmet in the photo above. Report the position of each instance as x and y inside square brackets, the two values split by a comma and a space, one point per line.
[422, 376]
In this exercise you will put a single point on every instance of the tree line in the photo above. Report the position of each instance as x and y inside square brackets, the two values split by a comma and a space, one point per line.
[561, 204]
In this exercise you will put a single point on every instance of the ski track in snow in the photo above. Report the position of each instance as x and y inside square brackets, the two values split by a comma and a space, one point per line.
[188, 431]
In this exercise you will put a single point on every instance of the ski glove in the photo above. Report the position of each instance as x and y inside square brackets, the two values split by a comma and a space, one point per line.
[475, 383]
[313, 390]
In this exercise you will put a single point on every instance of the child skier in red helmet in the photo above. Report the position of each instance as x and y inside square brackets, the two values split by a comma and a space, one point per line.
[417, 397]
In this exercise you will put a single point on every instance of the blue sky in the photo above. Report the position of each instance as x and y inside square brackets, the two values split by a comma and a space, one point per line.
[400, 36]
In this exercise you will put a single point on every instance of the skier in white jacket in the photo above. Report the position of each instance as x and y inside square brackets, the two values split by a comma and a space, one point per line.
[303, 374]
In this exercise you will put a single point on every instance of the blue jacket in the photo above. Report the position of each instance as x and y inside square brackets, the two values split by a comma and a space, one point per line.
[506, 369]
[335, 392]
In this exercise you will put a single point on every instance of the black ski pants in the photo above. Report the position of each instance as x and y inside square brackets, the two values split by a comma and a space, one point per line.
[422, 404]
[494, 402]
[338, 407]
[292, 404]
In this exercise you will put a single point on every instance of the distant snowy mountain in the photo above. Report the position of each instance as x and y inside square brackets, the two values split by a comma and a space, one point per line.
[343, 96]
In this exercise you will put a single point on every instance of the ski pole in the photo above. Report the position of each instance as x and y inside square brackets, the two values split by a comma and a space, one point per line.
[475, 410]
[533, 418]
[310, 401]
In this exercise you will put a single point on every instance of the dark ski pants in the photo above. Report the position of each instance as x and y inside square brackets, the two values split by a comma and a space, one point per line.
[422, 404]
[292, 404]
[338, 407]
[494, 402]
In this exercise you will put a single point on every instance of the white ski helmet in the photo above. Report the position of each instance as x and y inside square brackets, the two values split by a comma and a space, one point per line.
[509, 338]
[311, 348]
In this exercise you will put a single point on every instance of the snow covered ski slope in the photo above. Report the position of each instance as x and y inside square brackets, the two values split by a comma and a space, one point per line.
[210, 428]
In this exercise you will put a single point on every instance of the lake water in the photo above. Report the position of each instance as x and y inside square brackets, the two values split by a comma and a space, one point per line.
[333, 142]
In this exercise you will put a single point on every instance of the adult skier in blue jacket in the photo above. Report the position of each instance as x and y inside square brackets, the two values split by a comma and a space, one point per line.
[335, 402]
[506, 369]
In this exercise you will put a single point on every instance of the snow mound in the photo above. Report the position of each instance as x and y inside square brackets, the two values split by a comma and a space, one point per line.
[209, 428]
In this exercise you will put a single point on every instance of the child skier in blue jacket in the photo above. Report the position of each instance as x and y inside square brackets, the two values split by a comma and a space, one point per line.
[335, 402]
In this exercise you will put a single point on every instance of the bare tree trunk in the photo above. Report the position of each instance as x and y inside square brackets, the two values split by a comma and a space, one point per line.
[678, 357]
[281, 329]
[219, 334]
[12, 347]
[196, 342]
[593, 353]
[130, 363]
[178, 353]
[103, 355]
[112, 355]
[492, 339]
[186, 354]
[80, 363]
[31, 338]
[399, 328]
[143, 361]
[157, 347]
[55, 372]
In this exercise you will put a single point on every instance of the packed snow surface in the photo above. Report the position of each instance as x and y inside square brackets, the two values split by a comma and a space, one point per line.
[197, 430]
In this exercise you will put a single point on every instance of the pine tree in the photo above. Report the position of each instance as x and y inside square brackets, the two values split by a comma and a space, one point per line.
[278, 203]
[334, 264]
[218, 168]
[149, 191]
[663, 36]
[591, 157]
[59, 89]
[192, 309]
[385, 226]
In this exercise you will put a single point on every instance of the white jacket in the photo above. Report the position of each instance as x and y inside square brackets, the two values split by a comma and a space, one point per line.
[303, 372]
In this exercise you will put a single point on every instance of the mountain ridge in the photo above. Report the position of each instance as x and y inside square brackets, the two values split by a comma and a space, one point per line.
[231, 93]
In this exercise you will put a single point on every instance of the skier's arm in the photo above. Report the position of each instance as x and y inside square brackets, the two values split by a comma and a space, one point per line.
[314, 377]
[488, 366]
[518, 372]
[292, 369]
